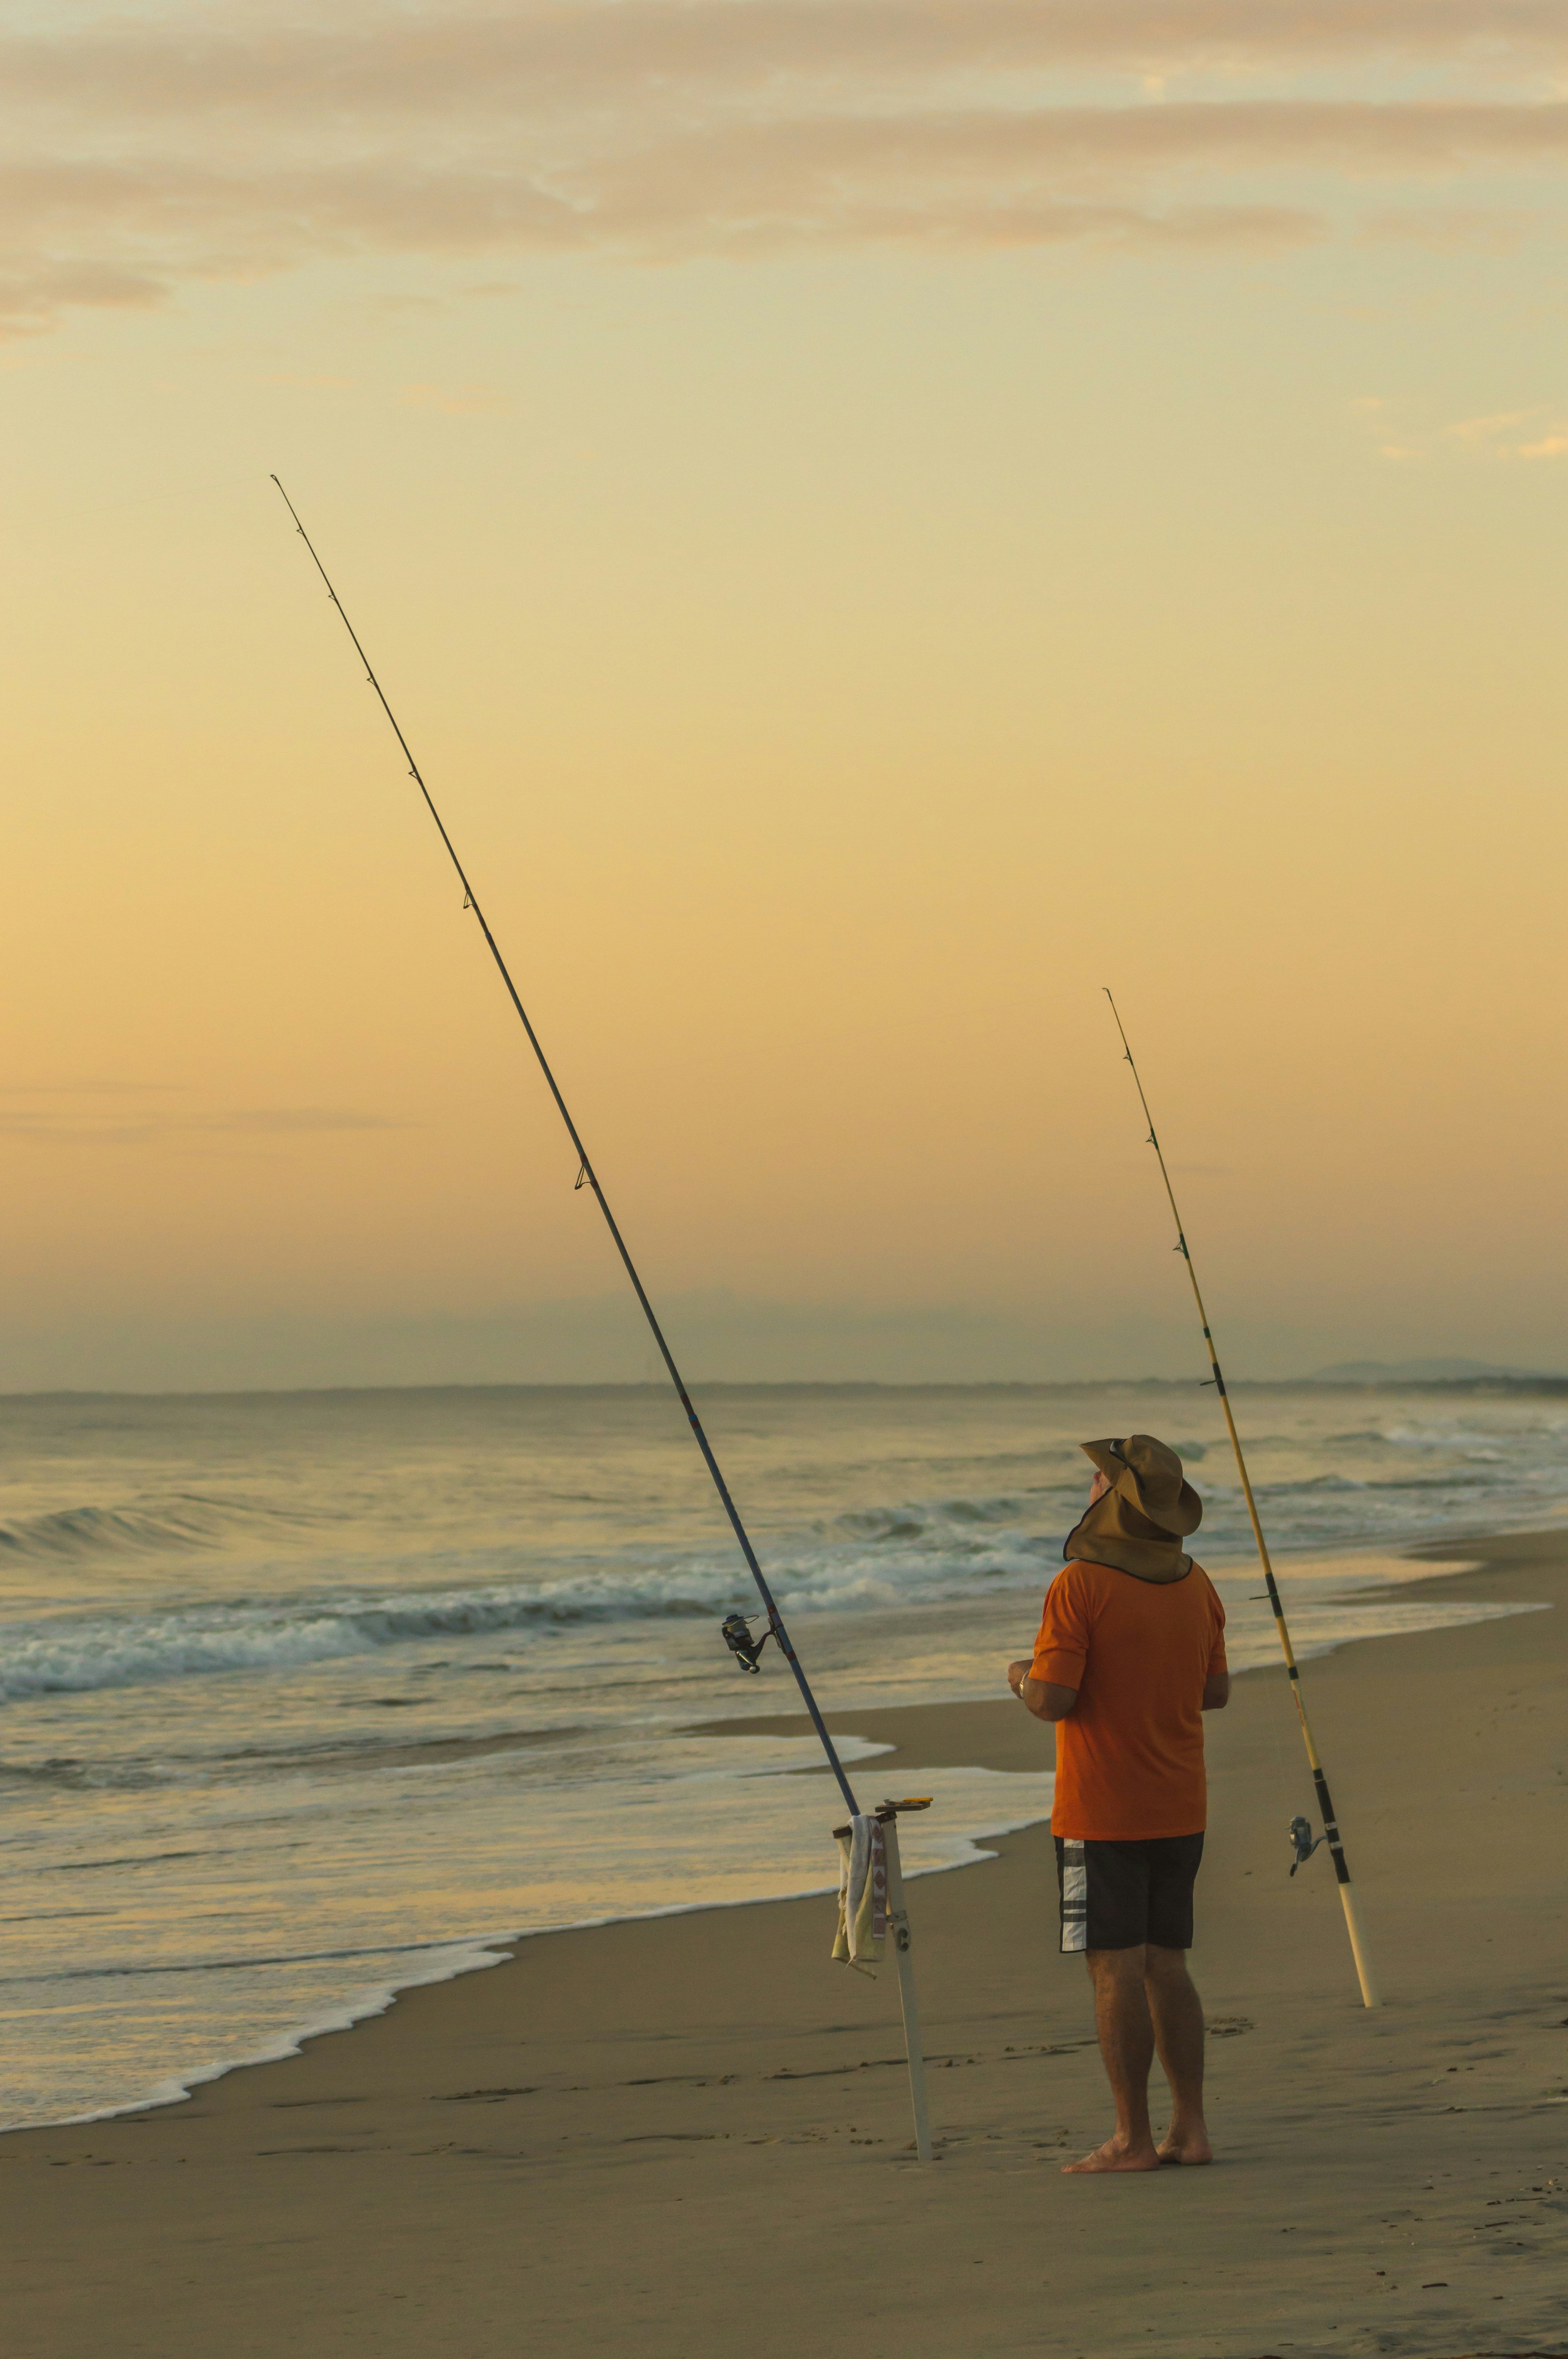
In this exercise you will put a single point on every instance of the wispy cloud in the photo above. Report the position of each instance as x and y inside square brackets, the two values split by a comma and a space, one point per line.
[1510, 434]
[1538, 432]
[115, 1114]
[227, 141]
[346, 59]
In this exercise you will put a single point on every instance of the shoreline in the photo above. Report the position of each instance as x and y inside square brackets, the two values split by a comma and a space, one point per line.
[921, 1729]
[688, 2129]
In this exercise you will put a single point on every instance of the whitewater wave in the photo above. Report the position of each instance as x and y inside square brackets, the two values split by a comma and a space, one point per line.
[901, 1556]
[916, 1552]
[74, 1656]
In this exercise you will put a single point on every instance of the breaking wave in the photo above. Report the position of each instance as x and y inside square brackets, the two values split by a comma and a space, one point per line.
[73, 1655]
[899, 1553]
[923, 1552]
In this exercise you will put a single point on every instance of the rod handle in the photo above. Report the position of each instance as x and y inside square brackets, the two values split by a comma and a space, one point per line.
[1358, 1950]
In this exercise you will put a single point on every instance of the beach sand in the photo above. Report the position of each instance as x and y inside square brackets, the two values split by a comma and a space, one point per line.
[690, 2136]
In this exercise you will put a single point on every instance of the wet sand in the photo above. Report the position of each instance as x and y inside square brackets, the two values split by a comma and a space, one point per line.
[689, 2135]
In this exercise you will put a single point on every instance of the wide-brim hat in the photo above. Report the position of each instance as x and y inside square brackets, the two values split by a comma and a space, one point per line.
[1148, 1476]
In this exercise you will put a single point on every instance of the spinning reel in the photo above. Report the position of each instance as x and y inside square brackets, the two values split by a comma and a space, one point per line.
[1301, 1841]
[736, 1631]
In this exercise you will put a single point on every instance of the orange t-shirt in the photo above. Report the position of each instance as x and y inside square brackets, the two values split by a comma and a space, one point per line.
[1130, 1754]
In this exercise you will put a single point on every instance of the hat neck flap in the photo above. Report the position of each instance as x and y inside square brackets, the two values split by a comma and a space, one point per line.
[1113, 1532]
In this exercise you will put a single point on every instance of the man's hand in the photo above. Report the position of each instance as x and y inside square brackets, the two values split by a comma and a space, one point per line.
[1043, 1698]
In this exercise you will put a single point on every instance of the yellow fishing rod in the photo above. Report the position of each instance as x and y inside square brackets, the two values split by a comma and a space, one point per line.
[1330, 1824]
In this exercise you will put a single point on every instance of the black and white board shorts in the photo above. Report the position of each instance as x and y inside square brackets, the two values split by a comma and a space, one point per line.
[1116, 1895]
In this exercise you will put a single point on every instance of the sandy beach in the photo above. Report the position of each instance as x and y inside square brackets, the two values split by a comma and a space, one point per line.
[690, 2136]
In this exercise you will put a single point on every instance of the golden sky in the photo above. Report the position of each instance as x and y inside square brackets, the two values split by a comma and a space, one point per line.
[878, 520]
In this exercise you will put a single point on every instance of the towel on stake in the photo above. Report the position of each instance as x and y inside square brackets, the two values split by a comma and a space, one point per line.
[862, 1894]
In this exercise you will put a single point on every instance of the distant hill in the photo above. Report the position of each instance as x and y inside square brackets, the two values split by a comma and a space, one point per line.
[1416, 1372]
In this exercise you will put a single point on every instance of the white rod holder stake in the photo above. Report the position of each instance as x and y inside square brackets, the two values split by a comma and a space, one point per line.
[898, 1921]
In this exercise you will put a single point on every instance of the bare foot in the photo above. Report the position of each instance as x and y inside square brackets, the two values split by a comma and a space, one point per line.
[1185, 2145]
[1115, 2155]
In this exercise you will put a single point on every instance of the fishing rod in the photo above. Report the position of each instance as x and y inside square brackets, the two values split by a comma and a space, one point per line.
[736, 1631]
[1330, 1824]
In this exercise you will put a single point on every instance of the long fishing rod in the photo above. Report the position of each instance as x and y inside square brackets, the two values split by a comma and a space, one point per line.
[741, 1644]
[1330, 1824]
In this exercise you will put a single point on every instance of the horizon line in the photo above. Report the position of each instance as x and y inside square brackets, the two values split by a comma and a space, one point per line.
[1502, 1382]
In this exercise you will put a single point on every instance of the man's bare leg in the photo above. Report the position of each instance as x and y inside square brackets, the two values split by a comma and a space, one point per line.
[1177, 2014]
[1126, 2044]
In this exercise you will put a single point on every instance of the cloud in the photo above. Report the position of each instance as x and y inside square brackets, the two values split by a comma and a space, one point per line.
[270, 1121]
[1511, 434]
[1534, 432]
[355, 61]
[1454, 229]
[229, 140]
[76, 1115]
[1488, 431]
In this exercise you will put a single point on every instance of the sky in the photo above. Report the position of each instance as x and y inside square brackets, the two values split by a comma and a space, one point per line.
[877, 519]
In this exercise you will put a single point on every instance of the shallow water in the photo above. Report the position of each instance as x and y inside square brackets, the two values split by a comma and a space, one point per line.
[304, 1697]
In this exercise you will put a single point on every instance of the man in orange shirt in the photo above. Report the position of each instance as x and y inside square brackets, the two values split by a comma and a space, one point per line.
[1129, 1656]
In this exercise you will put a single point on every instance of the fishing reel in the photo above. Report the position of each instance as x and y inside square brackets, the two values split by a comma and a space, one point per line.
[736, 1631]
[1301, 1841]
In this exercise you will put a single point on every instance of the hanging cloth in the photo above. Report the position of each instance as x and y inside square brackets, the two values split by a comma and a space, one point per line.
[862, 1894]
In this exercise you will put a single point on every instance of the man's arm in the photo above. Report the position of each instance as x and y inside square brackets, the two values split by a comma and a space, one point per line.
[1043, 1698]
[1216, 1692]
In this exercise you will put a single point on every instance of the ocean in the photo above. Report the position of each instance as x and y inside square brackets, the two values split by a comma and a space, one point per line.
[306, 1698]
